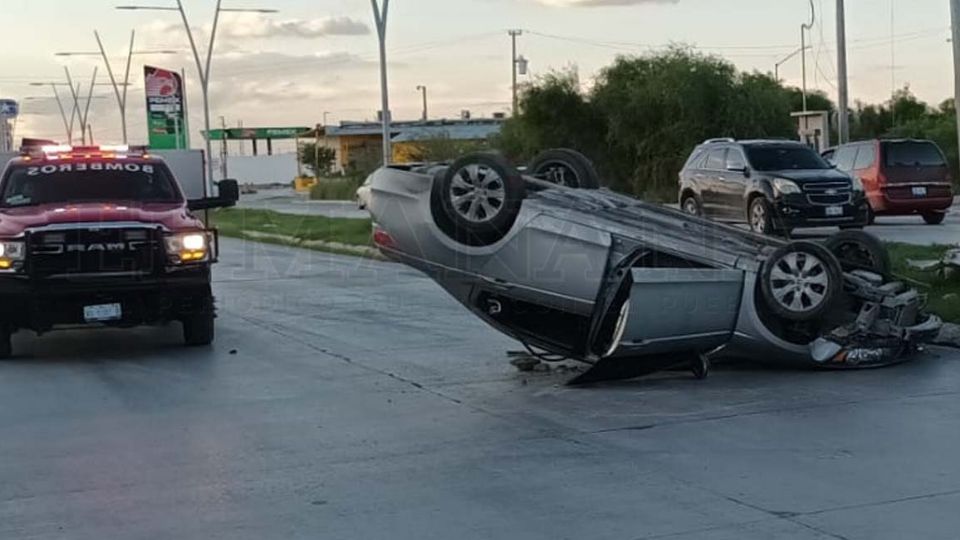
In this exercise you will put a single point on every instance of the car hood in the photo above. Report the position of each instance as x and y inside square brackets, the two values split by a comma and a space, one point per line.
[816, 175]
[172, 216]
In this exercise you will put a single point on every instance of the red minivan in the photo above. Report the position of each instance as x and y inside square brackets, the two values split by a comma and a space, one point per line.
[900, 176]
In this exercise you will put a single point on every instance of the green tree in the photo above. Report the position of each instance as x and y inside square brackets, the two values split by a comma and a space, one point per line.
[318, 160]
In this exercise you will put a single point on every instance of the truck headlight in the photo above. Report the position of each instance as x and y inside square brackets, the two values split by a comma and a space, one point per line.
[10, 254]
[782, 186]
[188, 247]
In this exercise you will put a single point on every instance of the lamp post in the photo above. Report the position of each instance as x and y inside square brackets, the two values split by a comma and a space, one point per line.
[804, 28]
[74, 91]
[514, 64]
[121, 96]
[784, 60]
[423, 89]
[380, 17]
[203, 69]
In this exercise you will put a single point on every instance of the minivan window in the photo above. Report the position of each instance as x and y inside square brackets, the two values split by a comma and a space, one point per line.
[866, 157]
[785, 158]
[716, 161]
[846, 157]
[913, 154]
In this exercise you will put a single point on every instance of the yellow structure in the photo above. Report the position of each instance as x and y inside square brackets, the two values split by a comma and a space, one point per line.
[303, 184]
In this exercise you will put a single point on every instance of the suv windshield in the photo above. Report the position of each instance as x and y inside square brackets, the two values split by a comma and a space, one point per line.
[913, 154]
[88, 181]
[784, 158]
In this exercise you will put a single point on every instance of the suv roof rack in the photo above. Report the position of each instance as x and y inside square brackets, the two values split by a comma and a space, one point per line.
[720, 140]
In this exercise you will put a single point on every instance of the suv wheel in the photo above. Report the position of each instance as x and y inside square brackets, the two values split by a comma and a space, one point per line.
[759, 216]
[198, 330]
[934, 218]
[691, 206]
[801, 281]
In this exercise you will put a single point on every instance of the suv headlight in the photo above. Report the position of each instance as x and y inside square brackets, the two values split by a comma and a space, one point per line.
[188, 247]
[10, 254]
[785, 187]
[856, 183]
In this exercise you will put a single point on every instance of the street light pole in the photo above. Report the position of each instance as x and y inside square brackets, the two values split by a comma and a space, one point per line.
[423, 89]
[380, 17]
[784, 60]
[843, 122]
[803, 51]
[203, 69]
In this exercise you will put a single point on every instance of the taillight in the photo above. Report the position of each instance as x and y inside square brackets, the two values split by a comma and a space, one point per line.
[382, 238]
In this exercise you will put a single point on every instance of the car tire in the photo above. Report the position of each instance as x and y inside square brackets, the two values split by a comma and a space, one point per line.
[480, 196]
[871, 216]
[691, 206]
[857, 250]
[801, 281]
[565, 167]
[199, 329]
[6, 343]
[760, 216]
[934, 218]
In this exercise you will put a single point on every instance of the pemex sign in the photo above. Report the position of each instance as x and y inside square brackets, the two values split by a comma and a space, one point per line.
[166, 112]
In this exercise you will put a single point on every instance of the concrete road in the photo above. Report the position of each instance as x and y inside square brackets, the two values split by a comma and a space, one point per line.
[353, 399]
[289, 202]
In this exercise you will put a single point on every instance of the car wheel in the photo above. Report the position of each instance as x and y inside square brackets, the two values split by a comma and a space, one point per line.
[934, 218]
[691, 206]
[871, 217]
[857, 250]
[565, 167]
[801, 281]
[760, 216]
[198, 330]
[481, 194]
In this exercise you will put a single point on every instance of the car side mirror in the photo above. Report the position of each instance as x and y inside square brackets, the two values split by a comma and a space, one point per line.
[227, 196]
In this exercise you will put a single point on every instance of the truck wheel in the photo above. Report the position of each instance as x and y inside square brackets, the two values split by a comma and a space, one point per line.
[565, 167]
[801, 281]
[480, 195]
[857, 250]
[198, 330]
[934, 218]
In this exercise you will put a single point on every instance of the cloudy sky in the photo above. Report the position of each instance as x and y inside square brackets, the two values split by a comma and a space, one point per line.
[314, 56]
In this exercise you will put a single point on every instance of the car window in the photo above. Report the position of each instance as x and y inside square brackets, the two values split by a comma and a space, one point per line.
[695, 160]
[846, 156]
[87, 181]
[913, 154]
[866, 155]
[716, 161]
[735, 160]
[785, 158]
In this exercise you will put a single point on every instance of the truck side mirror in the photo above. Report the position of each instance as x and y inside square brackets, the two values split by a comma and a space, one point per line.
[229, 190]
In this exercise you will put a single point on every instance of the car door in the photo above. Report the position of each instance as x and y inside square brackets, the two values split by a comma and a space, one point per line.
[711, 171]
[733, 185]
[864, 166]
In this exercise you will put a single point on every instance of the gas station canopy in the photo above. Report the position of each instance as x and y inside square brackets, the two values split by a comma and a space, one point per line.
[268, 134]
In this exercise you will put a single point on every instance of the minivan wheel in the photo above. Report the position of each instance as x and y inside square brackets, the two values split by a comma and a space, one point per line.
[801, 281]
[691, 206]
[934, 218]
[480, 195]
[760, 216]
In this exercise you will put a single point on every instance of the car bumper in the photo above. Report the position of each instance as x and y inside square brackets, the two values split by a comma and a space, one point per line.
[41, 305]
[795, 213]
[891, 205]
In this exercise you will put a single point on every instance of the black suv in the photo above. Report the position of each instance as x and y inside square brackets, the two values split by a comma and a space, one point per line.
[774, 186]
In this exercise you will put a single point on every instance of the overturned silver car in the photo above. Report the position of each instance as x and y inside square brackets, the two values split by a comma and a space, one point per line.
[631, 287]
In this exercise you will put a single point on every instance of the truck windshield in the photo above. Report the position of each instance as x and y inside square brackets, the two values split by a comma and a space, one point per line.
[785, 158]
[88, 181]
[914, 154]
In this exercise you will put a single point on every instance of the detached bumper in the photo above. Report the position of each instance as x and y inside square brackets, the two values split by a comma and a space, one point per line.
[42, 304]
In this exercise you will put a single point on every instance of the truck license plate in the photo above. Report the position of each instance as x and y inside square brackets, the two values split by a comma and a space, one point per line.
[102, 312]
[834, 211]
[920, 191]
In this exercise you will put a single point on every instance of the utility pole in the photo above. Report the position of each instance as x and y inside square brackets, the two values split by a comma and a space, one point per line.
[955, 17]
[804, 28]
[380, 17]
[423, 89]
[513, 38]
[223, 147]
[843, 122]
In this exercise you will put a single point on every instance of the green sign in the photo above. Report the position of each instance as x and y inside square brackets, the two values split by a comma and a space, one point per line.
[232, 134]
[166, 115]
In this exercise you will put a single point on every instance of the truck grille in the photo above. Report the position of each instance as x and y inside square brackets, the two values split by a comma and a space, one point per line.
[127, 251]
[828, 193]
